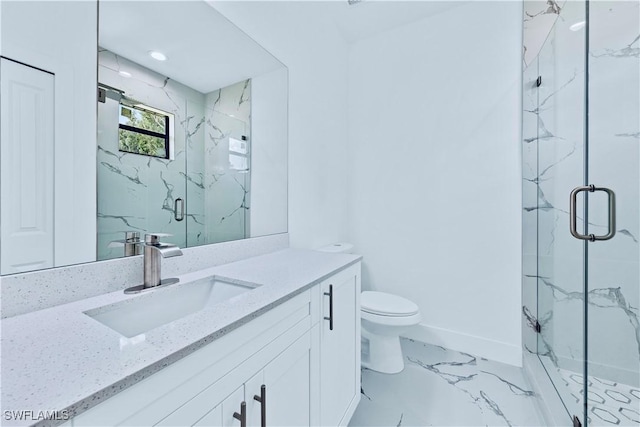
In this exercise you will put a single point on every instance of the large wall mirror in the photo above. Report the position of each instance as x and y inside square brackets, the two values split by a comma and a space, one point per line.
[190, 136]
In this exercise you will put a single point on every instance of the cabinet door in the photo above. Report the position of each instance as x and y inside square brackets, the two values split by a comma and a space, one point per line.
[226, 396]
[285, 396]
[254, 407]
[230, 406]
[286, 380]
[222, 415]
[214, 410]
[340, 348]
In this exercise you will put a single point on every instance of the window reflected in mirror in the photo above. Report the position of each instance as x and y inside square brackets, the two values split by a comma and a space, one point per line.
[144, 131]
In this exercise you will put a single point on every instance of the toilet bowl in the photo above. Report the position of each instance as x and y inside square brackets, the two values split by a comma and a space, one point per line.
[384, 318]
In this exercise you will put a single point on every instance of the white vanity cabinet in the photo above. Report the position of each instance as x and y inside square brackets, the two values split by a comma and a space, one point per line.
[310, 374]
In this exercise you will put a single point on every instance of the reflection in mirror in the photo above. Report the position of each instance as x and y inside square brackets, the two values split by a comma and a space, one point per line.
[191, 130]
[176, 144]
[157, 177]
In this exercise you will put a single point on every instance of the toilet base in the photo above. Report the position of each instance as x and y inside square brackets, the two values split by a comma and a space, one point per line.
[382, 353]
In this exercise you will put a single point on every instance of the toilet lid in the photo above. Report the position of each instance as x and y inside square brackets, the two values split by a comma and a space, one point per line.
[386, 304]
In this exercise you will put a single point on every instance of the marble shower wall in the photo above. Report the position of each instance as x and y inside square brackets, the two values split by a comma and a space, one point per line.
[137, 193]
[228, 178]
[553, 164]
[538, 20]
[218, 192]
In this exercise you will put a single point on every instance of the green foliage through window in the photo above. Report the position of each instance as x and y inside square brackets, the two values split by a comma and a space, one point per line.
[143, 131]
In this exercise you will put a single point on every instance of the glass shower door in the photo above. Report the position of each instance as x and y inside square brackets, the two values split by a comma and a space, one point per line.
[583, 90]
[613, 291]
[561, 154]
[588, 134]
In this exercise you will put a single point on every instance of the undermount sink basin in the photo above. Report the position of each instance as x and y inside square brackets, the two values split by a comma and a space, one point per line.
[146, 312]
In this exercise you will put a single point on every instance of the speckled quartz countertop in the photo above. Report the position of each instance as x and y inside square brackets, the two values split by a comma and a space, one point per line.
[62, 359]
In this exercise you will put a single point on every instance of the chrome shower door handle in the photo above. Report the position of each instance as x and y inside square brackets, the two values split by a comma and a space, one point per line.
[573, 214]
[179, 217]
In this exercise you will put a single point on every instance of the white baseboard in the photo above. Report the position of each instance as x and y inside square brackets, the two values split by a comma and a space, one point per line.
[477, 346]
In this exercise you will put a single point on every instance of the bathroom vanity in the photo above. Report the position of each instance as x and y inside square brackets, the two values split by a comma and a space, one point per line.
[285, 352]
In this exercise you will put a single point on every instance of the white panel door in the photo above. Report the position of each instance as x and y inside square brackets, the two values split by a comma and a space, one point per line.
[26, 168]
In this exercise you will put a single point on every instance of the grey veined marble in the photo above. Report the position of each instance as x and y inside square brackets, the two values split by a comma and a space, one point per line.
[441, 387]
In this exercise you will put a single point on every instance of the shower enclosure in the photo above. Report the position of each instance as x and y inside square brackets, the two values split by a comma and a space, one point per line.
[581, 284]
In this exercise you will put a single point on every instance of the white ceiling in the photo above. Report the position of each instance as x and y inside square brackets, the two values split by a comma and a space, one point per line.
[205, 50]
[371, 17]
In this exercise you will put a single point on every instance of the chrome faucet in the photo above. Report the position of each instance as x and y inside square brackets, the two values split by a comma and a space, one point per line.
[154, 251]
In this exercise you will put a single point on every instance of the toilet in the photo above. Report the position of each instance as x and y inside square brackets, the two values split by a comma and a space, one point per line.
[384, 317]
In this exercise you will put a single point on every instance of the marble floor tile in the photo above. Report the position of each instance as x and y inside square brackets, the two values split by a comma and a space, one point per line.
[440, 387]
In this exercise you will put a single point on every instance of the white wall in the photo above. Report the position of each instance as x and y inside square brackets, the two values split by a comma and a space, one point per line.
[430, 182]
[298, 34]
[268, 211]
[434, 131]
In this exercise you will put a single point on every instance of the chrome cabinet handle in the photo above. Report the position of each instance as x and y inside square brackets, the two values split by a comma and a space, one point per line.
[330, 318]
[573, 214]
[263, 405]
[175, 209]
[242, 416]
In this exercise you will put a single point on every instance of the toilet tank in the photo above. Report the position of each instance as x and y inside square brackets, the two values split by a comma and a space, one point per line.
[344, 248]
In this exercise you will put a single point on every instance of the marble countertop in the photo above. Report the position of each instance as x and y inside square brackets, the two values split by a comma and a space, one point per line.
[60, 359]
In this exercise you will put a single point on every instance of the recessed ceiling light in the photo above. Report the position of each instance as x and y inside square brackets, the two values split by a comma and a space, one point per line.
[124, 74]
[578, 26]
[157, 55]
